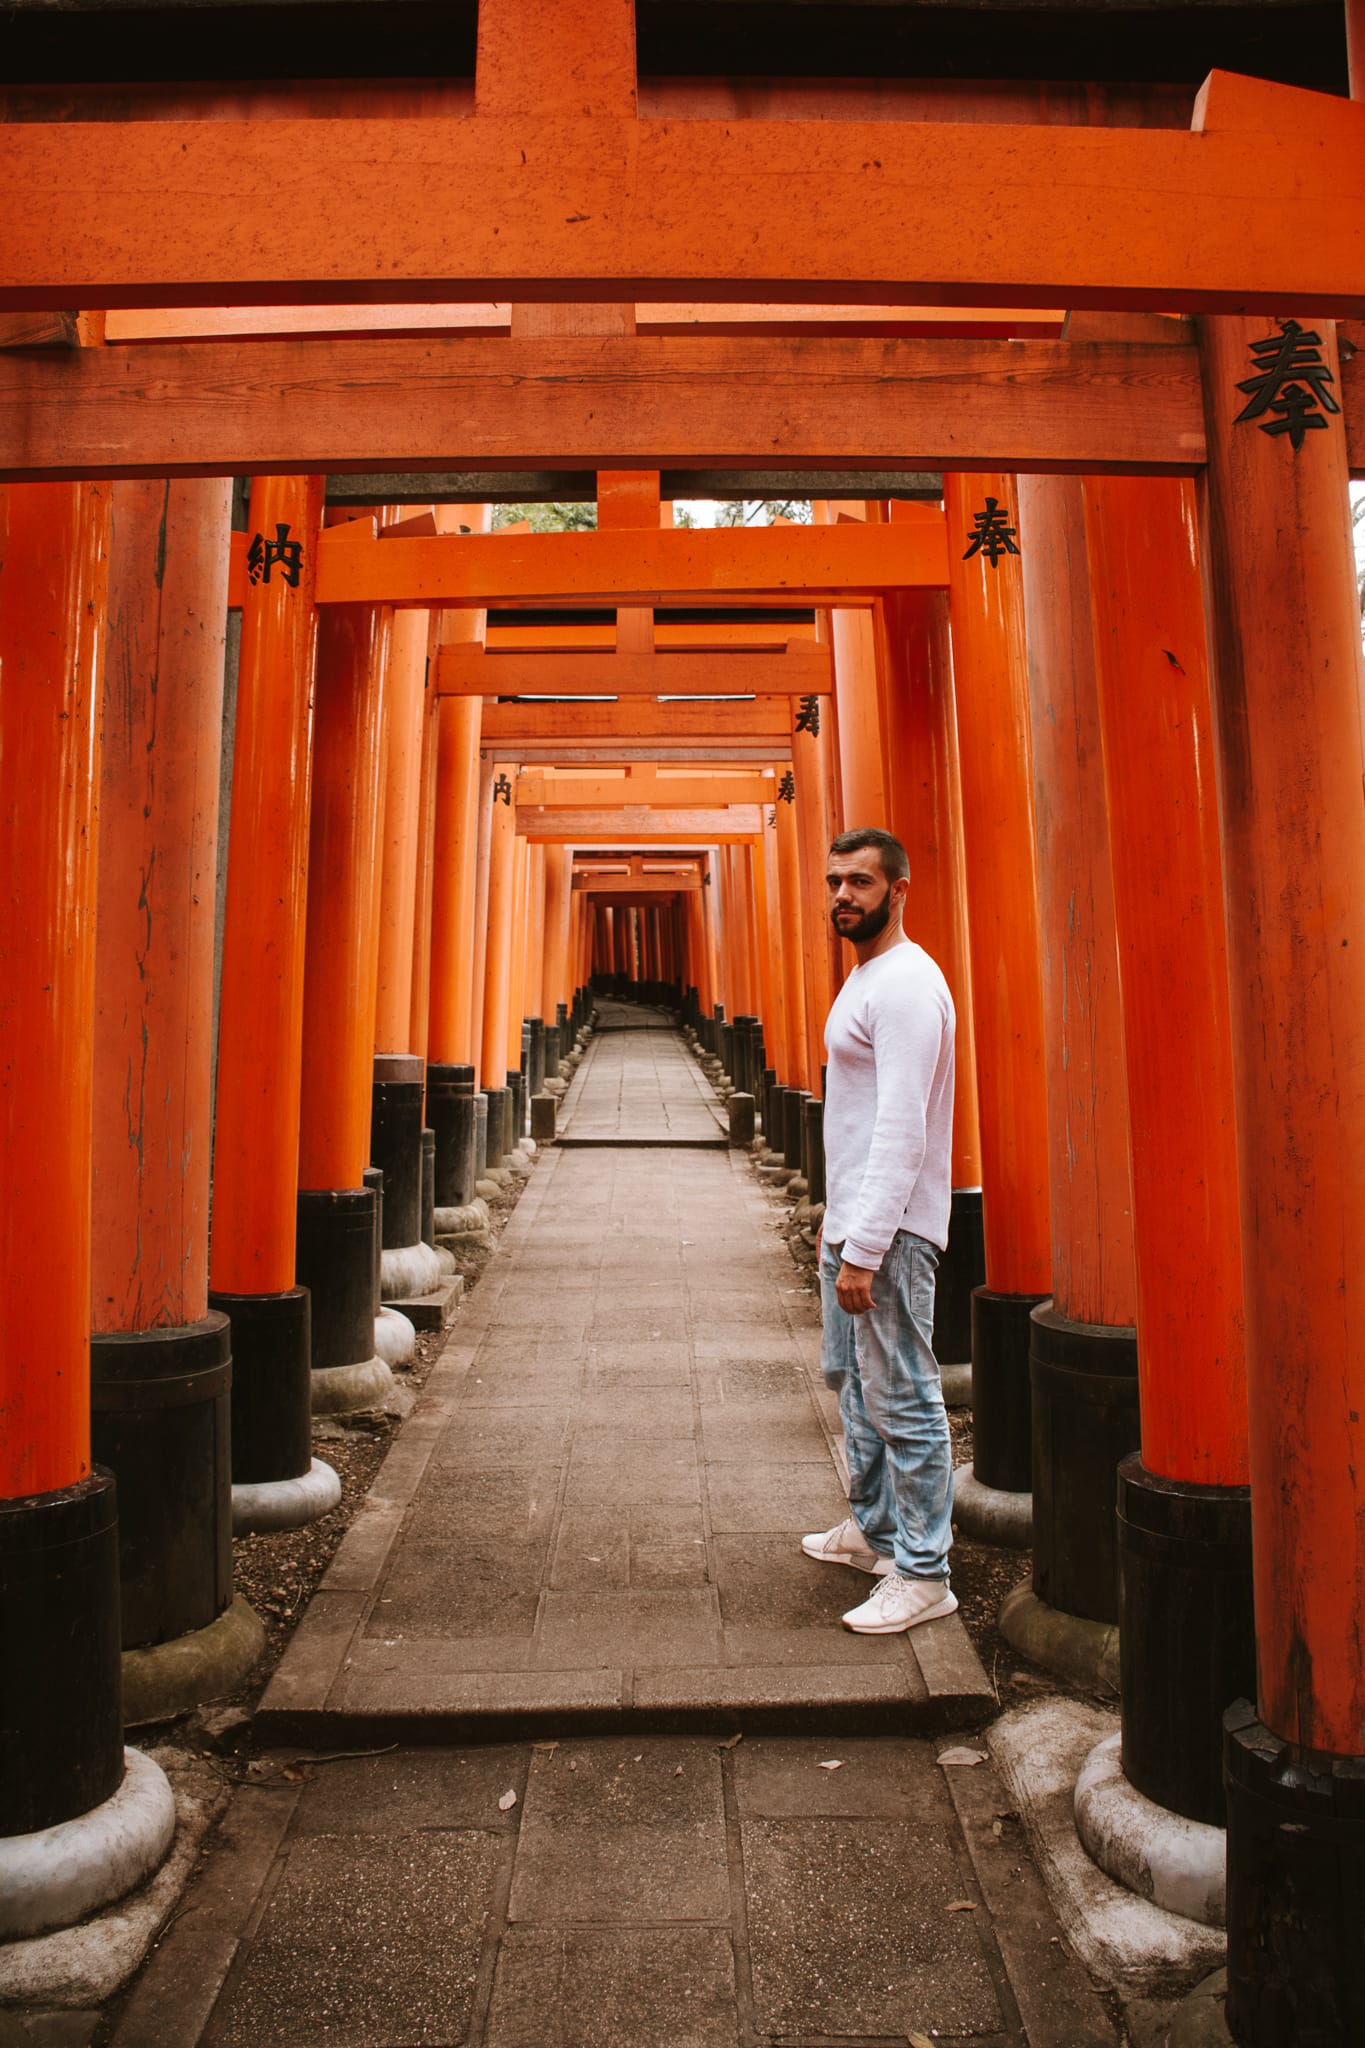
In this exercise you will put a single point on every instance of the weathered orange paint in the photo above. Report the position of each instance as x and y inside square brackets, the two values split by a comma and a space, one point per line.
[405, 721]
[502, 858]
[454, 896]
[926, 816]
[426, 878]
[552, 208]
[1159, 758]
[857, 705]
[53, 571]
[162, 738]
[557, 976]
[342, 924]
[573, 58]
[260, 1016]
[795, 912]
[533, 998]
[473, 672]
[516, 980]
[1287, 696]
[627, 498]
[814, 807]
[1093, 1278]
[991, 688]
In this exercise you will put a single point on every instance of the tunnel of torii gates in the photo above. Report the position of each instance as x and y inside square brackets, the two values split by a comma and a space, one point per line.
[1100, 669]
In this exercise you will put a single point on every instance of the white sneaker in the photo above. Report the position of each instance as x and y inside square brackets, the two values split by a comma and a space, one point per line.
[846, 1544]
[898, 1604]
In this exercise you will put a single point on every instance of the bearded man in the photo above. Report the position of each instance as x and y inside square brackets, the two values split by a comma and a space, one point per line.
[888, 1186]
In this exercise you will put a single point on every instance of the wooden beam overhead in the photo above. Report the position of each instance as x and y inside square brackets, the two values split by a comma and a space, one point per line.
[234, 408]
[752, 636]
[1263, 208]
[467, 672]
[637, 720]
[749, 754]
[595, 792]
[831, 564]
[630, 821]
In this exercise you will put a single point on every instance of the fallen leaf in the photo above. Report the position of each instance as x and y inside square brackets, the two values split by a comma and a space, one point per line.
[962, 1756]
[545, 1747]
[292, 1776]
[507, 1802]
[678, 1772]
[833, 1763]
[919, 2041]
[573, 1763]
[963, 1906]
[589, 1559]
[731, 1740]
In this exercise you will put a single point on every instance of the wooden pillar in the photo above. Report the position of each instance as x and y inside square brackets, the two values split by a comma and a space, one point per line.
[925, 798]
[796, 911]
[336, 1211]
[811, 778]
[483, 867]
[454, 894]
[557, 975]
[991, 689]
[1086, 1330]
[1186, 1630]
[402, 807]
[516, 978]
[60, 1681]
[260, 1019]
[153, 1055]
[1288, 683]
[498, 971]
[419, 1013]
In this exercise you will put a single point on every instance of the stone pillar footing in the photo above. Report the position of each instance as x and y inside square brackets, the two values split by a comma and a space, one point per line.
[55, 1876]
[169, 1678]
[360, 1389]
[1002, 1416]
[988, 1514]
[285, 1503]
[1179, 1864]
[1086, 1652]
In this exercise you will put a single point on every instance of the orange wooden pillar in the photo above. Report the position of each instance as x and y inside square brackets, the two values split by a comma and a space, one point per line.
[149, 1313]
[557, 975]
[260, 1019]
[863, 773]
[1083, 1340]
[497, 990]
[419, 1020]
[452, 1072]
[336, 1210]
[516, 988]
[1185, 1627]
[775, 931]
[60, 1683]
[797, 910]
[1288, 685]
[925, 798]
[405, 724]
[991, 689]
[813, 804]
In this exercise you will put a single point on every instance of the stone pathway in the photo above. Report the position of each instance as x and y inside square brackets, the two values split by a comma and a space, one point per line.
[673, 1829]
[637, 1086]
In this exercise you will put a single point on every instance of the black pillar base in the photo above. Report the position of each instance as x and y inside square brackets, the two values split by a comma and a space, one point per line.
[1085, 1422]
[335, 1262]
[961, 1270]
[1002, 1412]
[499, 1124]
[535, 1079]
[272, 1384]
[396, 1144]
[1296, 1890]
[480, 1135]
[451, 1115]
[160, 1422]
[61, 1682]
[1187, 1637]
[516, 1088]
[427, 1231]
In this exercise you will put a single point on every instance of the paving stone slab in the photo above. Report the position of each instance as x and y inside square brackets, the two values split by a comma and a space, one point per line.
[577, 1988]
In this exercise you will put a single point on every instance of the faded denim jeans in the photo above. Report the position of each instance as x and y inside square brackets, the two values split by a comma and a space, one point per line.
[882, 1367]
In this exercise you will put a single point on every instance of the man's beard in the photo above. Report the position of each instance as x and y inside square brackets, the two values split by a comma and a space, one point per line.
[868, 925]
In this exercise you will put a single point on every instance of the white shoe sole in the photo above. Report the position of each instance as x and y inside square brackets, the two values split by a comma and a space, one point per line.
[948, 1605]
[860, 1560]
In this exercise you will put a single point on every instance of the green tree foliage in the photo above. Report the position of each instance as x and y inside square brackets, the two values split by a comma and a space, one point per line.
[548, 518]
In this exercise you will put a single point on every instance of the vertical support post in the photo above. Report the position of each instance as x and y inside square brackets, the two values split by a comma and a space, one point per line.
[1288, 684]
[336, 1210]
[1083, 1349]
[814, 829]
[926, 816]
[796, 912]
[986, 604]
[1185, 1628]
[502, 854]
[260, 1022]
[160, 1360]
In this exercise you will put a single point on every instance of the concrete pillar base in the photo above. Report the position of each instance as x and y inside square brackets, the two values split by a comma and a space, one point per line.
[285, 1503]
[395, 1340]
[1180, 1865]
[357, 1389]
[55, 1877]
[165, 1679]
[1086, 1652]
[495, 1181]
[957, 1385]
[408, 1269]
[468, 1219]
[990, 1515]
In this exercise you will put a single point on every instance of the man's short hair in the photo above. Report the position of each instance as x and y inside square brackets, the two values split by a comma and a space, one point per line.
[893, 856]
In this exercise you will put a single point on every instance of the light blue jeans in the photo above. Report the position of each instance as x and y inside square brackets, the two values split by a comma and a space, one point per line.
[882, 1367]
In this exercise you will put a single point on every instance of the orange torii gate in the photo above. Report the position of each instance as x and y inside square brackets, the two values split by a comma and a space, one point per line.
[530, 199]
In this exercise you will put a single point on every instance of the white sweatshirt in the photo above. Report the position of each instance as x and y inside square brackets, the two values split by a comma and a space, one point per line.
[889, 1105]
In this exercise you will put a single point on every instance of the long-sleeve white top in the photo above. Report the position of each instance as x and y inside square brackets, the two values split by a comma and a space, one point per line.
[889, 1105]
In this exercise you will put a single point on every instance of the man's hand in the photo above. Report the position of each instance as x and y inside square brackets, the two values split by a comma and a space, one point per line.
[854, 1288]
